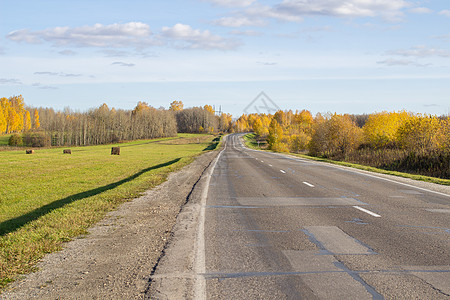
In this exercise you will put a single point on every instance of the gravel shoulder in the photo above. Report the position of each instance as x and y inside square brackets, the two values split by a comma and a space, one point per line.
[120, 253]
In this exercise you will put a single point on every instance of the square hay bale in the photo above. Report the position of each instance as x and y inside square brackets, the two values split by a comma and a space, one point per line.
[30, 151]
[67, 151]
[115, 151]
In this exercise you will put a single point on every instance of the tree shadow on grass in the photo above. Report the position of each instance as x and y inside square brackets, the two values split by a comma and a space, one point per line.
[15, 223]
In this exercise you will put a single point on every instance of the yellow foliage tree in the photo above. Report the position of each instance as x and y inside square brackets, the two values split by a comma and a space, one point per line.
[36, 122]
[275, 136]
[4, 103]
[299, 142]
[381, 129]
[27, 121]
[258, 127]
[140, 107]
[422, 134]
[225, 121]
[337, 134]
[176, 106]
[209, 109]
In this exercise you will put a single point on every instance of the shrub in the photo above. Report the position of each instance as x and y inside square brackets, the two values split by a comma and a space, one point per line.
[36, 139]
[15, 140]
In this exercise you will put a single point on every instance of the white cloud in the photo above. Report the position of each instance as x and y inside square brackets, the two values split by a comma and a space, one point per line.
[261, 11]
[184, 36]
[130, 35]
[44, 87]
[421, 51]
[122, 64]
[60, 74]
[114, 35]
[246, 32]
[115, 53]
[445, 12]
[420, 10]
[10, 81]
[67, 52]
[264, 63]
[233, 3]
[295, 10]
[238, 22]
[445, 37]
[401, 62]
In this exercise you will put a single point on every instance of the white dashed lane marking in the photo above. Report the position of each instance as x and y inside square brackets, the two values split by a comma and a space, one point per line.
[367, 211]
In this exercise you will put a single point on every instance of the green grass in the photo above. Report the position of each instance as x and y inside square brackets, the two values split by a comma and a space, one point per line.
[250, 141]
[49, 197]
[4, 139]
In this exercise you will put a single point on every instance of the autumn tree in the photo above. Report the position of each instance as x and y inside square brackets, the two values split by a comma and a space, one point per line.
[3, 114]
[225, 122]
[13, 116]
[195, 120]
[299, 142]
[380, 129]
[275, 137]
[209, 109]
[176, 106]
[335, 135]
[27, 121]
[36, 123]
[258, 127]
[16, 113]
[241, 124]
[422, 134]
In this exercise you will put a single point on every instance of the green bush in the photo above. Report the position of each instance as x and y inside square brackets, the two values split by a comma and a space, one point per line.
[15, 140]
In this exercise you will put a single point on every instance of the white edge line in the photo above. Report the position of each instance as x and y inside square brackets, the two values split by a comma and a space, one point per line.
[308, 184]
[200, 264]
[367, 212]
[354, 170]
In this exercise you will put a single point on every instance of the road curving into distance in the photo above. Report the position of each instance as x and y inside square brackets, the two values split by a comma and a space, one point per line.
[271, 226]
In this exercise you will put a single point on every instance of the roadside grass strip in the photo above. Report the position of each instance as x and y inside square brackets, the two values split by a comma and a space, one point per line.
[48, 198]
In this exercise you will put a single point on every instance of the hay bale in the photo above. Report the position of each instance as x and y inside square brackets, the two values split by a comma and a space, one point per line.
[30, 151]
[67, 151]
[115, 151]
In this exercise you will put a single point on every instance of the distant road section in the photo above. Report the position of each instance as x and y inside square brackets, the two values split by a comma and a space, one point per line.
[272, 226]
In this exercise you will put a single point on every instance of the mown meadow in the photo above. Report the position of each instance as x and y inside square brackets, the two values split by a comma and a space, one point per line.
[48, 197]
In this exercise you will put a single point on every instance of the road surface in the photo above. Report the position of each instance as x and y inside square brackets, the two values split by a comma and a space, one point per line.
[271, 226]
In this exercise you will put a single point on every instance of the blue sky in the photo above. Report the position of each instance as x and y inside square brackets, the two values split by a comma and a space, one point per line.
[345, 56]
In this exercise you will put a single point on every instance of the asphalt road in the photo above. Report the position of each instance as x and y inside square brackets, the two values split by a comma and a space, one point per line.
[278, 227]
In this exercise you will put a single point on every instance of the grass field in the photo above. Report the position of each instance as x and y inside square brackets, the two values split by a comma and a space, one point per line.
[251, 142]
[49, 197]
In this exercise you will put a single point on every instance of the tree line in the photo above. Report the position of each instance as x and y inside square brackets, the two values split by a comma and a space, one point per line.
[104, 125]
[392, 140]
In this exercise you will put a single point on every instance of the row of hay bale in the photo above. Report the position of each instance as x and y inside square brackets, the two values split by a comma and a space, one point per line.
[114, 151]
